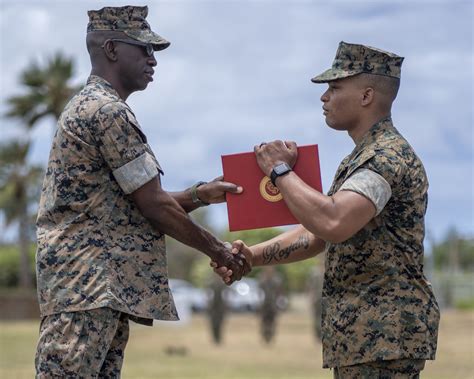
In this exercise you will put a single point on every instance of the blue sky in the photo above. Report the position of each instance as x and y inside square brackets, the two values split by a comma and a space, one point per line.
[238, 73]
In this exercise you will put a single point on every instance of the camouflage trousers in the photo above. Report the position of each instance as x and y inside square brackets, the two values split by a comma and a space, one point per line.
[85, 344]
[396, 369]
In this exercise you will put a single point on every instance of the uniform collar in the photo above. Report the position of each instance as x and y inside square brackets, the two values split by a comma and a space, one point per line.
[94, 79]
[373, 133]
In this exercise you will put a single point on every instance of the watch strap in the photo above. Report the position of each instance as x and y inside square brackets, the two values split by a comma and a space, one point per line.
[194, 196]
[274, 174]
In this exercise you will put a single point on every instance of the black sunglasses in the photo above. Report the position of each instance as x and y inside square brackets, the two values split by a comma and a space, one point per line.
[147, 46]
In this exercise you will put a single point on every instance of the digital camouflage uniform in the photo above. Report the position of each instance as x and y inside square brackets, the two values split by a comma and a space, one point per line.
[99, 261]
[81, 344]
[397, 369]
[378, 307]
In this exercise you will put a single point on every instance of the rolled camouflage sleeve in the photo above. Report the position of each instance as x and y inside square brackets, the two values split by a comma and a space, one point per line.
[371, 185]
[388, 165]
[123, 147]
[378, 178]
[136, 173]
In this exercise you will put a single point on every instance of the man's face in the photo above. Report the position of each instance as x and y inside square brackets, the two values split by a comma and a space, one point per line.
[341, 103]
[136, 66]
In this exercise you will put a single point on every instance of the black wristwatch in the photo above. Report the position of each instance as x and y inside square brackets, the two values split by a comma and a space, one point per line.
[279, 170]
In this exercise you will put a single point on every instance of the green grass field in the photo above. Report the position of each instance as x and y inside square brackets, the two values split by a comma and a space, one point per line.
[293, 355]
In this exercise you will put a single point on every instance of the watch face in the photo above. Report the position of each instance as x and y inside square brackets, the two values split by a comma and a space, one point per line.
[281, 168]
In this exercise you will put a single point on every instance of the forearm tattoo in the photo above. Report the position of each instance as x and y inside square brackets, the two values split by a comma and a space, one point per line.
[273, 252]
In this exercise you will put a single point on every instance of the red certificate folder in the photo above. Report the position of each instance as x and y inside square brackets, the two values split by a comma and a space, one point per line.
[261, 204]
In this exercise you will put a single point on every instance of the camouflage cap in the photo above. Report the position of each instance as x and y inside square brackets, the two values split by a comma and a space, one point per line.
[128, 19]
[352, 59]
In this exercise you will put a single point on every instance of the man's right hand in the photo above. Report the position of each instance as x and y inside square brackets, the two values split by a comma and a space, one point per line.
[227, 272]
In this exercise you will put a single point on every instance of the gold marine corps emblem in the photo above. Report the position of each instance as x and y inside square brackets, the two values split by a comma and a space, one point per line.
[268, 191]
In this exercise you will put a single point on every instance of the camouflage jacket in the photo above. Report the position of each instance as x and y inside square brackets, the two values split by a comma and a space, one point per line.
[95, 249]
[377, 304]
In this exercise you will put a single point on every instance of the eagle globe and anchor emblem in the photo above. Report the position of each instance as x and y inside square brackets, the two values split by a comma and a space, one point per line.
[268, 191]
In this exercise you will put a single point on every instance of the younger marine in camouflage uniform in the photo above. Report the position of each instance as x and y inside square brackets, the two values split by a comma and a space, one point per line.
[379, 315]
[101, 257]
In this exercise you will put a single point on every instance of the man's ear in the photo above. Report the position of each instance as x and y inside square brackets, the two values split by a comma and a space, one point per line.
[367, 96]
[110, 51]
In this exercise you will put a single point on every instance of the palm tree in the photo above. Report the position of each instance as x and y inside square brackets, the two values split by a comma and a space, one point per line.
[48, 91]
[19, 184]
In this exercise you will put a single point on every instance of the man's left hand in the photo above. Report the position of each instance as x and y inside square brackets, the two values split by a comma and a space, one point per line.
[273, 153]
[214, 192]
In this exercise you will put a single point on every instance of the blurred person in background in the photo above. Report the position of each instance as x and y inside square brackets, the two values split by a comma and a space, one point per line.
[315, 291]
[379, 315]
[217, 309]
[103, 215]
[271, 283]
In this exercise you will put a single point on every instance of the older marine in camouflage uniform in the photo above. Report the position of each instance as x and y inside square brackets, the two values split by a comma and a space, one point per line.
[379, 315]
[102, 220]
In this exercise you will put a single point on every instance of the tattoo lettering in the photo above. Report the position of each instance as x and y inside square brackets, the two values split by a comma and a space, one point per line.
[274, 253]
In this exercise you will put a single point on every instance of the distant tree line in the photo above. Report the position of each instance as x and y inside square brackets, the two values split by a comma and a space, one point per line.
[454, 252]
